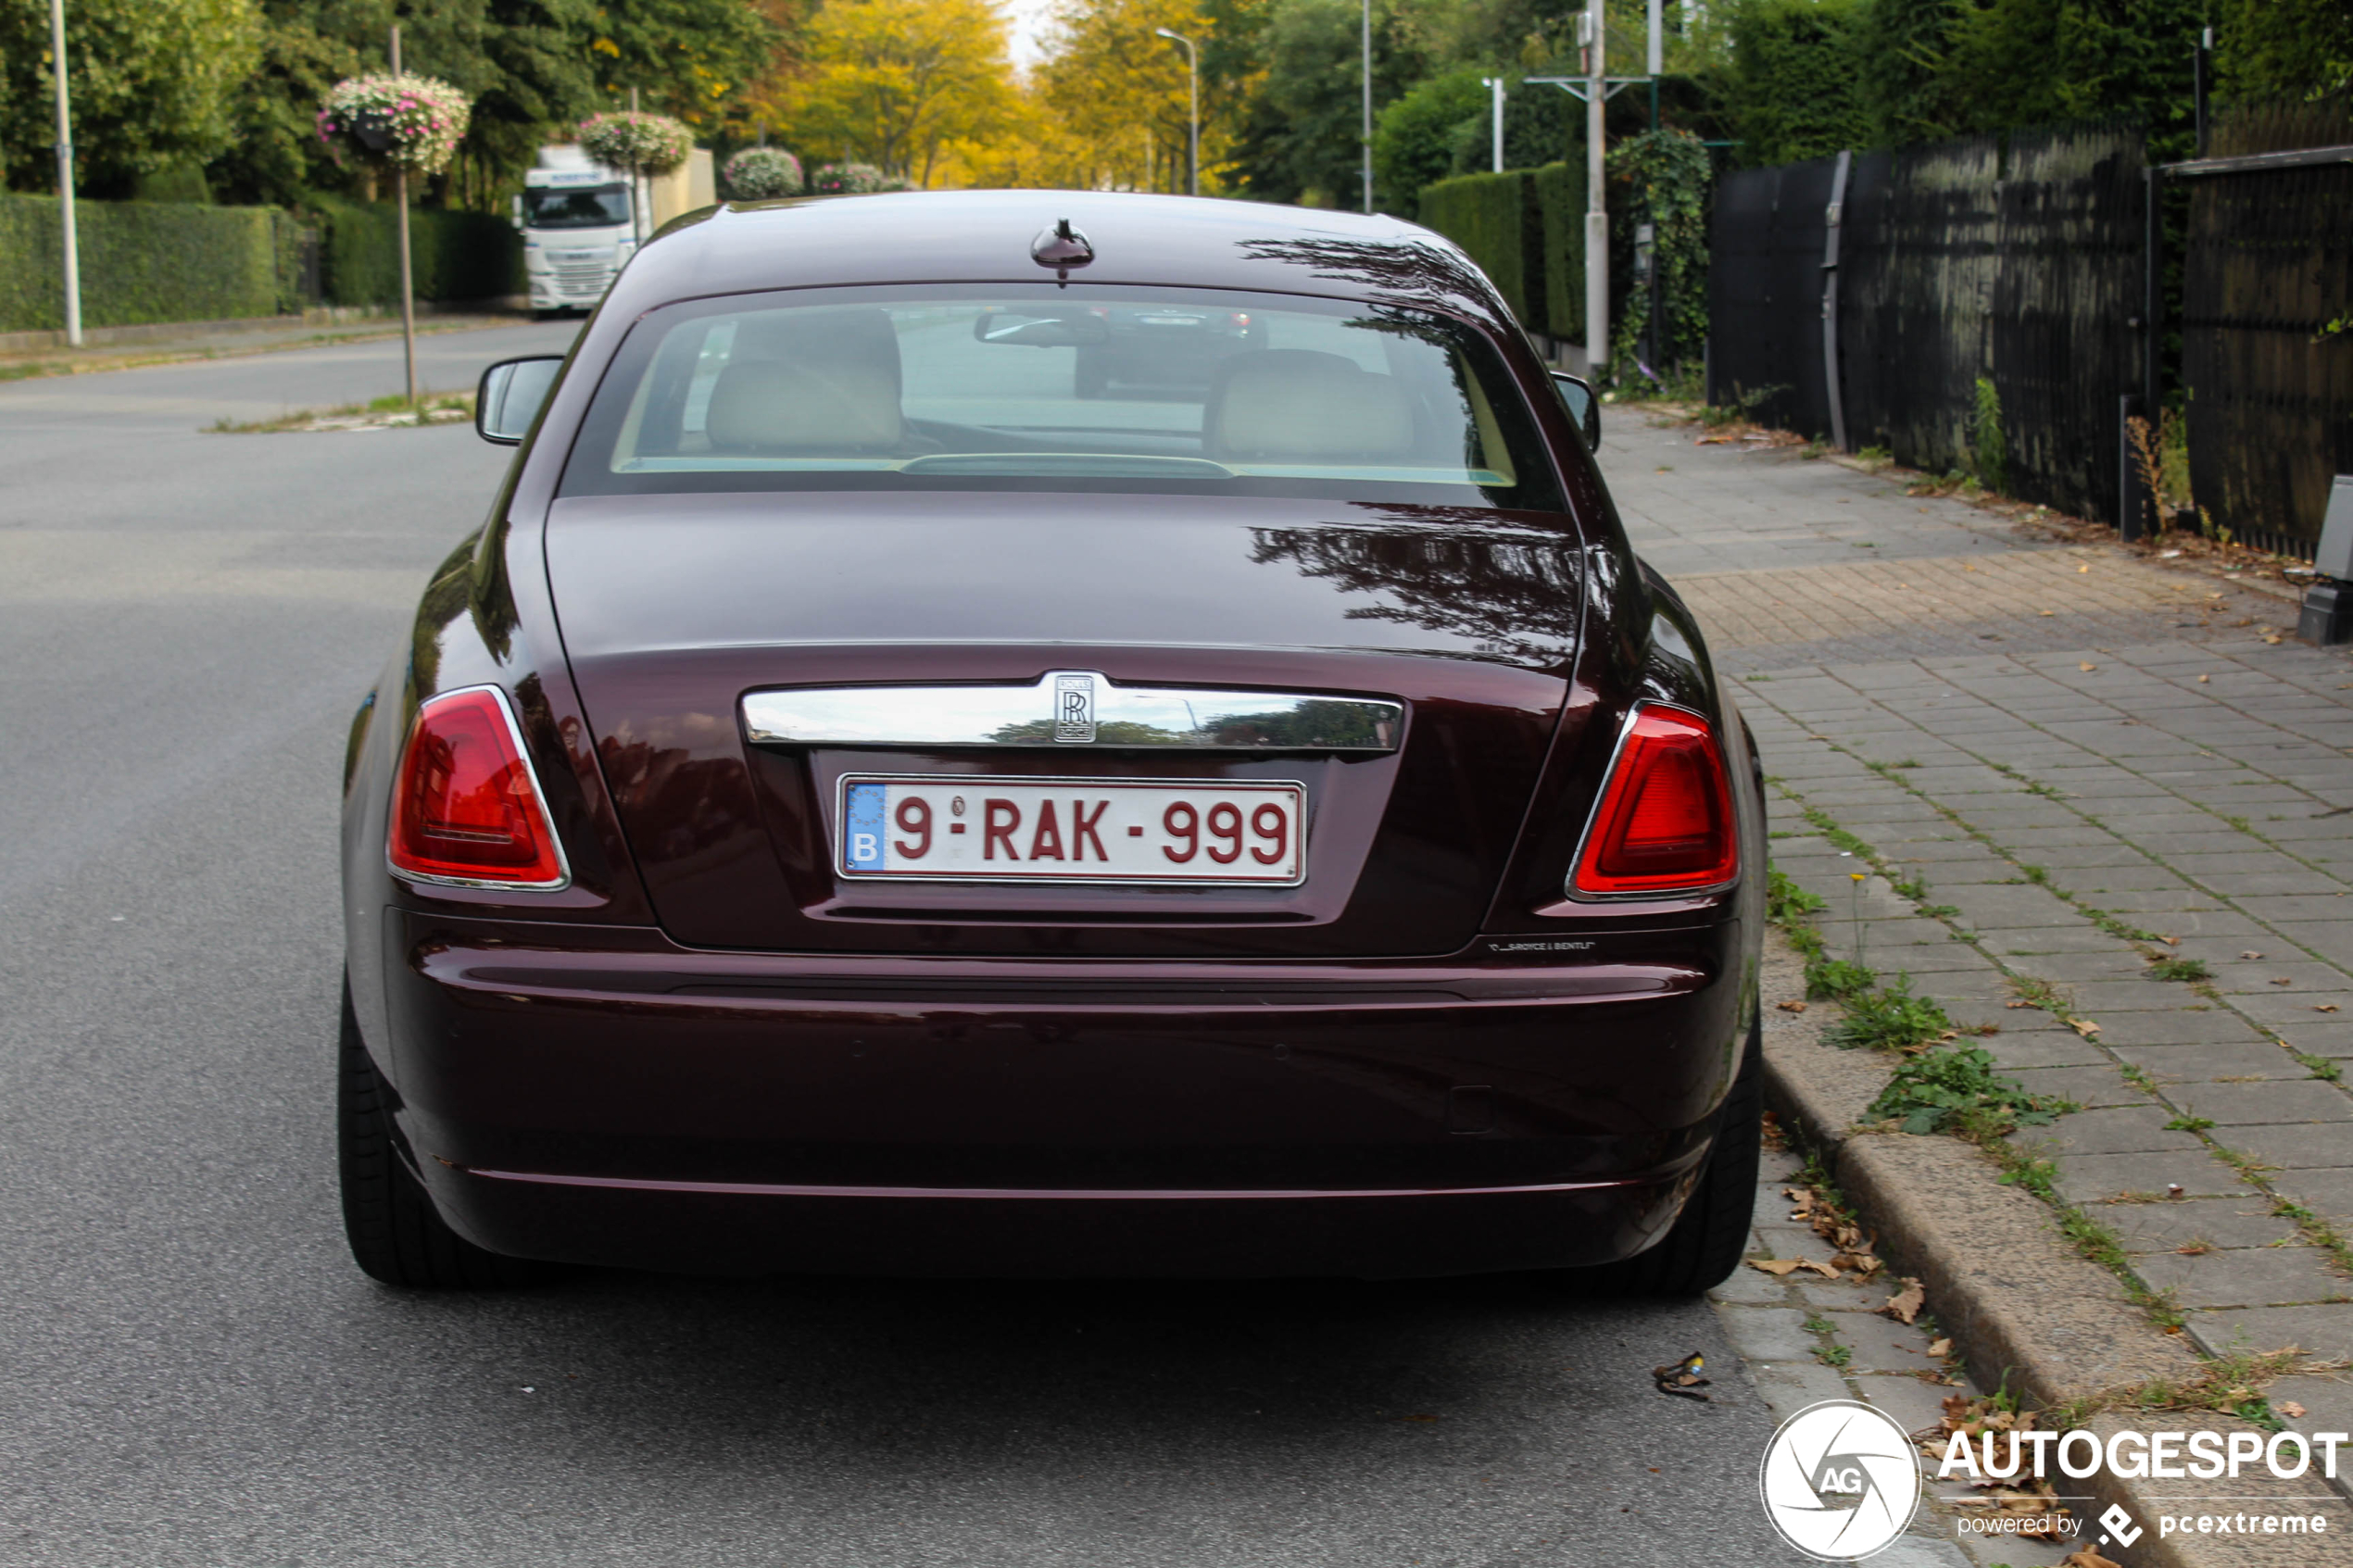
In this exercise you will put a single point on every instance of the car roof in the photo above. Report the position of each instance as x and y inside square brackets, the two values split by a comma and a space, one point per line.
[986, 236]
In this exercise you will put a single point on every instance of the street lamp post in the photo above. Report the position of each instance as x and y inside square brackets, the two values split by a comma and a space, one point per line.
[1494, 85]
[1192, 81]
[65, 175]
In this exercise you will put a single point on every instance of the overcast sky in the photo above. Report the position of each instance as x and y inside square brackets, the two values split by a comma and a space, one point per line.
[1030, 18]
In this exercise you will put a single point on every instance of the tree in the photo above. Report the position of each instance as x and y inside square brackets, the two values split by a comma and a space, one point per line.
[1303, 139]
[896, 84]
[694, 59]
[2284, 48]
[149, 79]
[1121, 91]
[1793, 88]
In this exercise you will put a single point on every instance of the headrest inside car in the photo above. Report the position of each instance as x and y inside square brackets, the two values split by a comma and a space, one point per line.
[1301, 405]
[809, 381]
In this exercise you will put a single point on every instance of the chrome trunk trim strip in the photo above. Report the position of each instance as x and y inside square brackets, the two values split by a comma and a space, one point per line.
[1071, 707]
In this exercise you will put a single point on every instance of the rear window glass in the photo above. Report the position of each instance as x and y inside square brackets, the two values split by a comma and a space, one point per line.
[1046, 389]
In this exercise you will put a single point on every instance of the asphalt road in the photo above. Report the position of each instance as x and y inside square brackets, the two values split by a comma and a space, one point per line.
[192, 1371]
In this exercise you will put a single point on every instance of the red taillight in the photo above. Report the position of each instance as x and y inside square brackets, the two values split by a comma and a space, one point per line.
[466, 808]
[1665, 823]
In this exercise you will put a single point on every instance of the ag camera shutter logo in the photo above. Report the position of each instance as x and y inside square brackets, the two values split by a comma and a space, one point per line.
[1840, 1481]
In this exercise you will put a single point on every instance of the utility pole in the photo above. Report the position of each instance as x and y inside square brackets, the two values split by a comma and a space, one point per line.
[1656, 60]
[1596, 207]
[1494, 85]
[65, 175]
[407, 280]
[1368, 104]
[1193, 79]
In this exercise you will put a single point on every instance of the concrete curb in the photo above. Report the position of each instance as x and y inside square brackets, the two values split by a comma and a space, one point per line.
[2021, 1305]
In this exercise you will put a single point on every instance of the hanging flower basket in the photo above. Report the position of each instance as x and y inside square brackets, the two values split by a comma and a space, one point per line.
[763, 174]
[411, 122]
[848, 180]
[637, 143]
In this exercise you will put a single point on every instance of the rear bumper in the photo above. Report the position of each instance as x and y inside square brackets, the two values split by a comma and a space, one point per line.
[647, 1106]
[727, 1228]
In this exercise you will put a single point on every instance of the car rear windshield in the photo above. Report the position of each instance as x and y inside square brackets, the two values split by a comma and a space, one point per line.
[1061, 389]
[593, 207]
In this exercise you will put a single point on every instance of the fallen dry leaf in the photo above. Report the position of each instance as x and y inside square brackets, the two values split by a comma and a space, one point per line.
[2290, 1408]
[1940, 1348]
[1791, 1007]
[1905, 1305]
[2284, 980]
[1779, 1268]
[2018, 1004]
[2085, 567]
[2250, 954]
[2086, 666]
[2047, 612]
[2204, 678]
[2323, 1007]
[2087, 1557]
[2083, 1026]
[2270, 636]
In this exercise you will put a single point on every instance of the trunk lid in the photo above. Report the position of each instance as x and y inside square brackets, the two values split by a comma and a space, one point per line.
[673, 607]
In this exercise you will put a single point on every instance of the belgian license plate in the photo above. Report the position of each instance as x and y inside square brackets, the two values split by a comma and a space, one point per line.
[1194, 831]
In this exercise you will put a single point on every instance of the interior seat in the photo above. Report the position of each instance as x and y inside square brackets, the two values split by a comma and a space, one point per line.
[1304, 405]
[811, 381]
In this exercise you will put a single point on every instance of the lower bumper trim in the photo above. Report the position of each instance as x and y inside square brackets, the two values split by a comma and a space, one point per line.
[1116, 1195]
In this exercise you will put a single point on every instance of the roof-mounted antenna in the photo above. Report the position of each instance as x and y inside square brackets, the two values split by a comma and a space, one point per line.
[1061, 247]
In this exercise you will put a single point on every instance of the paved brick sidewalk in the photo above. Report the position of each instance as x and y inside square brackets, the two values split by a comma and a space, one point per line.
[2140, 776]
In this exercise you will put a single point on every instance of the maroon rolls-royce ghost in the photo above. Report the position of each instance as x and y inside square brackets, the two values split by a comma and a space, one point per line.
[867, 799]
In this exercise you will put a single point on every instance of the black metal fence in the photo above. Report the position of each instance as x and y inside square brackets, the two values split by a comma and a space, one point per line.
[2268, 266]
[2015, 262]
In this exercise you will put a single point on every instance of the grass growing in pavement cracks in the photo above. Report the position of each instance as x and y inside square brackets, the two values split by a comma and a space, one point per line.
[2180, 969]
[2319, 1067]
[2317, 1231]
[2090, 1238]
[1889, 1018]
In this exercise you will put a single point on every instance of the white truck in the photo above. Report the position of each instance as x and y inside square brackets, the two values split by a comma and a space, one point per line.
[579, 224]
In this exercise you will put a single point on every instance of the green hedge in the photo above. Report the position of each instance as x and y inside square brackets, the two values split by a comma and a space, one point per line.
[1526, 227]
[453, 255]
[144, 261]
[1560, 196]
[1494, 217]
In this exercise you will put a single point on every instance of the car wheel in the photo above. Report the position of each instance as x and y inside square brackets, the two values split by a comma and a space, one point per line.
[394, 1233]
[1704, 1247]
[1090, 375]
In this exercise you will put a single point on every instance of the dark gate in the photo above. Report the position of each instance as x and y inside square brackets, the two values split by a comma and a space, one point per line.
[2270, 265]
[1765, 295]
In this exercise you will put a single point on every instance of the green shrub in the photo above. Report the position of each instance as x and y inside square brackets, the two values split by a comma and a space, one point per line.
[142, 261]
[453, 254]
[1494, 217]
[1560, 201]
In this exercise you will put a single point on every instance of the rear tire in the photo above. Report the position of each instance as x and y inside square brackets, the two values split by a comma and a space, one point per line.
[395, 1234]
[1704, 1245]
